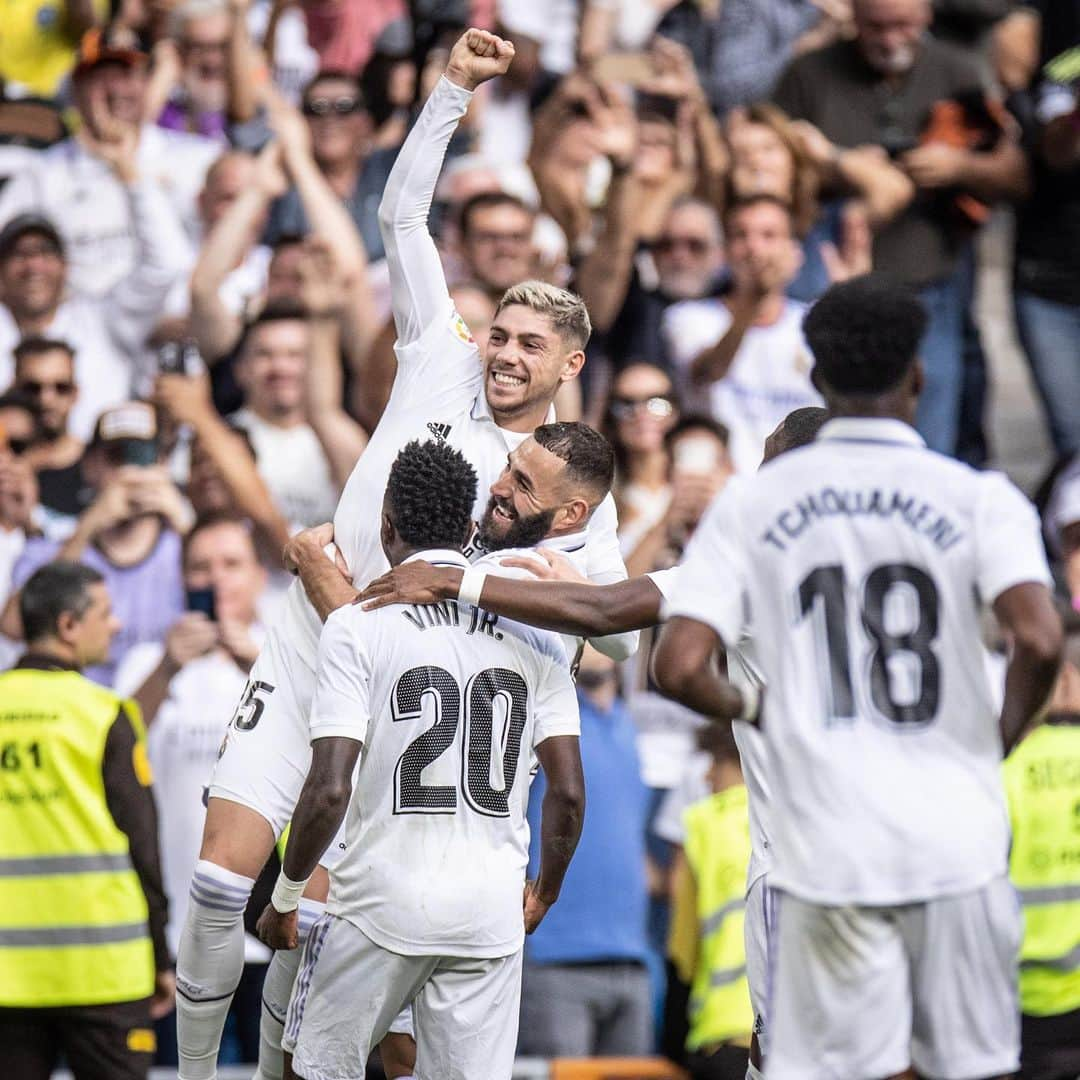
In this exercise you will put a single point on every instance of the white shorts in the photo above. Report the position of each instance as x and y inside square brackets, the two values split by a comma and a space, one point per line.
[870, 991]
[350, 990]
[266, 753]
[757, 932]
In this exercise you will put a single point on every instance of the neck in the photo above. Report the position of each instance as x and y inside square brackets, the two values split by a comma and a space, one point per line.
[341, 175]
[526, 420]
[53, 649]
[401, 552]
[649, 469]
[891, 406]
[290, 417]
[55, 451]
[34, 324]
[766, 309]
[131, 541]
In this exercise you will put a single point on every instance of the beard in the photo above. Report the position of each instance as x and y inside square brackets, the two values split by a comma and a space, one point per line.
[522, 532]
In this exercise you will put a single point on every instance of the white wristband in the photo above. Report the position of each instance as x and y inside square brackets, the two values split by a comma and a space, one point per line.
[472, 585]
[286, 894]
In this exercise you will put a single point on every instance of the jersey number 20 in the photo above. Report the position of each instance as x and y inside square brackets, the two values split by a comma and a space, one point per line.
[828, 585]
[478, 738]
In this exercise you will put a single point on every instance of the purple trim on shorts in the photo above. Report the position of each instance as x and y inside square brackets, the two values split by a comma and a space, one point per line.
[312, 949]
[773, 905]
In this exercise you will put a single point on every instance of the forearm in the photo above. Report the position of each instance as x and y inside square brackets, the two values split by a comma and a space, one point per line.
[1029, 682]
[714, 162]
[604, 276]
[884, 188]
[326, 214]
[74, 546]
[240, 70]
[341, 437]
[713, 363]
[417, 283]
[561, 819]
[318, 816]
[323, 582]
[685, 667]
[155, 689]
[1001, 174]
[228, 241]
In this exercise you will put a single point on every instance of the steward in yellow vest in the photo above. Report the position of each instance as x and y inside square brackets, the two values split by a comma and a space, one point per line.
[706, 945]
[82, 908]
[1042, 781]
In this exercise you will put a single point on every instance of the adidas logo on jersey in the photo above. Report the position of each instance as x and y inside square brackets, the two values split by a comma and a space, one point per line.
[440, 431]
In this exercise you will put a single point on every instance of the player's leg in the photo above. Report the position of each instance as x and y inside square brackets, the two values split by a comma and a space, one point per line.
[467, 1019]
[839, 998]
[757, 927]
[254, 788]
[964, 958]
[347, 995]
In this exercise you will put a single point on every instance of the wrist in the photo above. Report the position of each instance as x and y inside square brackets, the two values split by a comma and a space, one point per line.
[286, 895]
[449, 583]
[459, 79]
[471, 586]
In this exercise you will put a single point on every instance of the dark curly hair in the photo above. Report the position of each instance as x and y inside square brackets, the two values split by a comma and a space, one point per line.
[430, 495]
[865, 334]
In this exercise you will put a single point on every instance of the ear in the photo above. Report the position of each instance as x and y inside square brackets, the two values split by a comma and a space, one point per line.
[66, 626]
[574, 515]
[572, 365]
[387, 532]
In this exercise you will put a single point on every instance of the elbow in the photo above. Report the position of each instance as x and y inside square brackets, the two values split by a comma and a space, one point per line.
[1043, 643]
[672, 669]
[615, 646]
[569, 794]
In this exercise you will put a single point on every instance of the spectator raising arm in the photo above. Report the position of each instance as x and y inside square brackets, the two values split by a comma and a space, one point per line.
[241, 67]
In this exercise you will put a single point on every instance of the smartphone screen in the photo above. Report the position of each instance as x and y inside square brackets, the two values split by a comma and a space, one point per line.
[202, 600]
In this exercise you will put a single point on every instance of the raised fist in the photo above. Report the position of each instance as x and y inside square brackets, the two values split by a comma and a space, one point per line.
[478, 56]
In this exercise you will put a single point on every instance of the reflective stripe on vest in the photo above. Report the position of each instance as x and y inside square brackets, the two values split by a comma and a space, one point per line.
[717, 846]
[1042, 779]
[73, 916]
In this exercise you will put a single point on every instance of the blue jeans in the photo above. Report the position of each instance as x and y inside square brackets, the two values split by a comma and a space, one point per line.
[1050, 334]
[942, 355]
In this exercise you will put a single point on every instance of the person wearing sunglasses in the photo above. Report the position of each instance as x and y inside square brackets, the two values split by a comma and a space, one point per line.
[45, 374]
[341, 132]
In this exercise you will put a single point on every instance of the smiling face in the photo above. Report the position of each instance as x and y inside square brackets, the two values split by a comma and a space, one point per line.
[222, 557]
[339, 123]
[530, 501]
[888, 32]
[761, 163]
[49, 378]
[498, 246]
[273, 368]
[32, 276]
[525, 362]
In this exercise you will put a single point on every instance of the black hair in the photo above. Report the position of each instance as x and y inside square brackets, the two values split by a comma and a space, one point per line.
[430, 495]
[212, 519]
[485, 200]
[283, 310]
[802, 426]
[761, 198]
[589, 458]
[57, 588]
[697, 422]
[865, 334]
[332, 73]
[18, 399]
[35, 345]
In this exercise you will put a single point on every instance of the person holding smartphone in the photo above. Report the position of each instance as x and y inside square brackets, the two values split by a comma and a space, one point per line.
[130, 531]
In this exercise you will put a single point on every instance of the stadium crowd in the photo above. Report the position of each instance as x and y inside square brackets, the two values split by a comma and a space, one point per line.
[196, 343]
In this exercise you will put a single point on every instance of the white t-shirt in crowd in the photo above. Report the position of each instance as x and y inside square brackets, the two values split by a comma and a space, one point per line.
[438, 392]
[450, 702]
[294, 467]
[12, 542]
[769, 377]
[90, 208]
[859, 566]
[183, 742]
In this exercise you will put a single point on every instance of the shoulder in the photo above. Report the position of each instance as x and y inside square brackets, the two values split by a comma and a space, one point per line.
[961, 69]
[821, 64]
[183, 142]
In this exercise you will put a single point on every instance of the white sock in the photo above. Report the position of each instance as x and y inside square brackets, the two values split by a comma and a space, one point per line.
[209, 965]
[277, 989]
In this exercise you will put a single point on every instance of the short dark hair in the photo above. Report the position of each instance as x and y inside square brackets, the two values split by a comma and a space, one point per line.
[430, 495]
[761, 198]
[15, 398]
[865, 334]
[333, 73]
[212, 519]
[698, 422]
[57, 588]
[35, 345]
[283, 310]
[589, 458]
[486, 200]
[801, 427]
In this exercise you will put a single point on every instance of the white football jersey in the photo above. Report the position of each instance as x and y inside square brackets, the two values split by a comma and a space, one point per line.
[450, 702]
[860, 566]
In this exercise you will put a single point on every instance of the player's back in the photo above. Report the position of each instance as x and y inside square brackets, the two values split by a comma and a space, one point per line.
[866, 560]
[436, 835]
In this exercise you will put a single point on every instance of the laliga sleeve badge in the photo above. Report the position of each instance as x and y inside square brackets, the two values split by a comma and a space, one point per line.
[461, 330]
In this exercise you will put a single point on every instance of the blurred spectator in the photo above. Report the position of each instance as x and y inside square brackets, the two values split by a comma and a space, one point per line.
[105, 333]
[894, 86]
[279, 26]
[45, 372]
[185, 687]
[38, 45]
[18, 506]
[1047, 285]
[341, 129]
[708, 992]
[741, 46]
[747, 347]
[343, 32]
[641, 411]
[130, 534]
[496, 231]
[272, 372]
[618, 25]
[585, 988]
[96, 184]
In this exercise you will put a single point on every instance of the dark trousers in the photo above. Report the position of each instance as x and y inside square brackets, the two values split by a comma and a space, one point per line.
[1050, 1047]
[98, 1042]
[724, 1063]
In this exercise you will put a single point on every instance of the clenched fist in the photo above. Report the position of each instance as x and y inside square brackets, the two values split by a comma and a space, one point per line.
[478, 56]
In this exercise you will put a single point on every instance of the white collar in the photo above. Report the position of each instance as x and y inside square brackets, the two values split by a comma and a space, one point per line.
[440, 557]
[870, 429]
[567, 544]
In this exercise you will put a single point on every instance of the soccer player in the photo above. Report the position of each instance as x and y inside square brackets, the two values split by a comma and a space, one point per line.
[484, 406]
[862, 564]
[452, 706]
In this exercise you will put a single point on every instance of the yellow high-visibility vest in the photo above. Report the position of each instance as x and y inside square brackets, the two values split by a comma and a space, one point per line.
[717, 849]
[73, 916]
[1042, 779]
